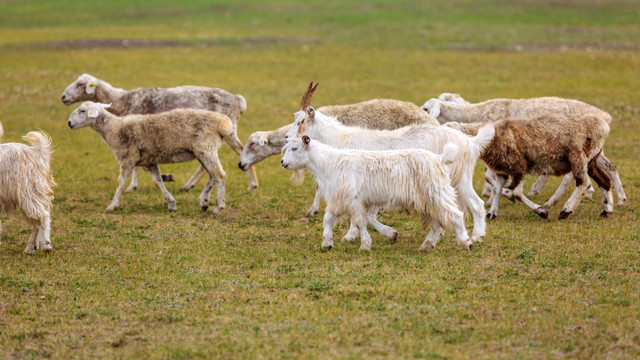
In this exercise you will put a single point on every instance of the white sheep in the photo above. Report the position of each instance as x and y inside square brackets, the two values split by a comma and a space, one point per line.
[549, 145]
[156, 100]
[328, 130]
[455, 110]
[26, 183]
[358, 183]
[174, 136]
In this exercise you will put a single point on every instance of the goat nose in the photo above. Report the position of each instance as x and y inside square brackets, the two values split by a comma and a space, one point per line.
[69, 123]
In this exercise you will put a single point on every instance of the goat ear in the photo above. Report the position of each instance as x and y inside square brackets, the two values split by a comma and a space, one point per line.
[311, 112]
[434, 111]
[93, 112]
[306, 140]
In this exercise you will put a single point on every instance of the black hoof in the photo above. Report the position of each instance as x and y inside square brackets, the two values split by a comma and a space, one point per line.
[204, 208]
[490, 216]
[327, 248]
[542, 212]
[168, 178]
[564, 214]
[605, 214]
[394, 238]
[471, 248]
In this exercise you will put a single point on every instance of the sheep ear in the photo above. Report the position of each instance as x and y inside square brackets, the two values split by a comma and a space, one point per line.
[264, 138]
[434, 111]
[93, 112]
[91, 87]
[306, 140]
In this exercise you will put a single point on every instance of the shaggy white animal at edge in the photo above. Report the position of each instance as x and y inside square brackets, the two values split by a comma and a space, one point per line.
[359, 183]
[26, 183]
[157, 100]
[328, 130]
[149, 140]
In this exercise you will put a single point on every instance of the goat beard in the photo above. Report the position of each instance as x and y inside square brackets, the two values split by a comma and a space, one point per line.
[297, 177]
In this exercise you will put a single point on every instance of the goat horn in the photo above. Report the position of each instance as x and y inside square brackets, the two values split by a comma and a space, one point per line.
[306, 98]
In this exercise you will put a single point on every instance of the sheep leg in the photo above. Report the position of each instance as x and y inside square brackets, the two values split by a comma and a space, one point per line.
[193, 181]
[156, 176]
[468, 198]
[315, 207]
[237, 146]
[518, 193]
[217, 177]
[498, 184]
[612, 171]
[134, 181]
[603, 180]
[579, 171]
[125, 172]
[535, 189]
[327, 230]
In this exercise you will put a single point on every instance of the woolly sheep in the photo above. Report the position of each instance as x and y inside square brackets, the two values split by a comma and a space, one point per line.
[149, 140]
[156, 100]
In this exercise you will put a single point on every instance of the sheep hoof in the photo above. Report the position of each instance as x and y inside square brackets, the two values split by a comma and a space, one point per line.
[542, 212]
[205, 207]
[394, 238]
[311, 213]
[564, 214]
[491, 216]
[167, 178]
[605, 213]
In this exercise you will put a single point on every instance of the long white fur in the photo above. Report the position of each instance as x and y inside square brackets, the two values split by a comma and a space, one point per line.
[26, 183]
[328, 130]
[358, 183]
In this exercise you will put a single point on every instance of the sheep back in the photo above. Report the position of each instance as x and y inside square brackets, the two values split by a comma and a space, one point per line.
[382, 114]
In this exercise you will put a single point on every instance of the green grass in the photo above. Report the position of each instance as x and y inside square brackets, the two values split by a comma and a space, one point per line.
[252, 282]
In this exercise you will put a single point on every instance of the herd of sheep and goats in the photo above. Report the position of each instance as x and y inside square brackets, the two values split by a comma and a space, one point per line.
[366, 157]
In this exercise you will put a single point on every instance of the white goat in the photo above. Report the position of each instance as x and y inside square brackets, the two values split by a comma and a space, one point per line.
[174, 136]
[358, 183]
[26, 183]
[156, 100]
[551, 145]
[458, 110]
[328, 130]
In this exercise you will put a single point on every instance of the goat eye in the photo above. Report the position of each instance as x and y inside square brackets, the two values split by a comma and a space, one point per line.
[294, 149]
[79, 85]
[81, 111]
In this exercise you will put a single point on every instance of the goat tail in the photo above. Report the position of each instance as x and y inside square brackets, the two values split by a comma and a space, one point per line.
[297, 178]
[485, 134]
[449, 154]
[40, 141]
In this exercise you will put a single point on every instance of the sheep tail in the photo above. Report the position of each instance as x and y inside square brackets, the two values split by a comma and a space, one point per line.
[1, 131]
[449, 154]
[242, 103]
[484, 137]
[41, 142]
[224, 126]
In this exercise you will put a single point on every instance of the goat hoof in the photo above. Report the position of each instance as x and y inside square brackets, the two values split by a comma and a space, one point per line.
[205, 207]
[605, 214]
[491, 216]
[470, 247]
[29, 251]
[564, 214]
[327, 247]
[364, 249]
[426, 247]
[311, 213]
[252, 187]
[542, 212]
[394, 238]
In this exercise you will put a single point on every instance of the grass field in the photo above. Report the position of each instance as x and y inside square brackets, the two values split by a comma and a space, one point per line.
[253, 282]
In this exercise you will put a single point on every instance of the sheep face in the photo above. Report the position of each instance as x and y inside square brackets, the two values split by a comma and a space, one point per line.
[303, 119]
[432, 106]
[296, 153]
[257, 149]
[454, 98]
[86, 114]
[84, 88]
